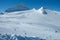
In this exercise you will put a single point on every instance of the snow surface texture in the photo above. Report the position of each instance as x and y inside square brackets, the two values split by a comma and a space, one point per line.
[42, 23]
[17, 37]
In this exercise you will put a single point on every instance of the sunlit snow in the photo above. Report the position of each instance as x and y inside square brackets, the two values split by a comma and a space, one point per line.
[42, 23]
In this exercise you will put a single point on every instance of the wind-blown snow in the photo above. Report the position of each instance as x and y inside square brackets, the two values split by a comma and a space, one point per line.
[41, 23]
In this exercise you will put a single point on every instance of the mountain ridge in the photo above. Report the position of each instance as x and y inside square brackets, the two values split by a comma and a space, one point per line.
[32, 23]
[20, 7]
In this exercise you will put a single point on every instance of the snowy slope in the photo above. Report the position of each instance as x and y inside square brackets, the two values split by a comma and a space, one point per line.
[41, 23]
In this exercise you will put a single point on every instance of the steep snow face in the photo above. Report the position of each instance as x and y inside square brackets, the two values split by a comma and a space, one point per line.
[42, 10]
[32, 23]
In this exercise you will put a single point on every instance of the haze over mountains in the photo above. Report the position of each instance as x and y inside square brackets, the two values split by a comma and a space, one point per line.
[20, 7]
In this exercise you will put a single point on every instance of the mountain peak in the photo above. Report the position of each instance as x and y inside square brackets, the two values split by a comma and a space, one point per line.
[42, 10]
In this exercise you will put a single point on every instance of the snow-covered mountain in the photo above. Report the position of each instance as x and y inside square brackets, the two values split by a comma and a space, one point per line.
[20, 7]
[42, 23]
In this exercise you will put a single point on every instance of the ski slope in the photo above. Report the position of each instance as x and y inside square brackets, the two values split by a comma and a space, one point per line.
[41, 23]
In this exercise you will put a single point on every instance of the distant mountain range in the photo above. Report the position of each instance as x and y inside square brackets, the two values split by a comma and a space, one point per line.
[20, 7]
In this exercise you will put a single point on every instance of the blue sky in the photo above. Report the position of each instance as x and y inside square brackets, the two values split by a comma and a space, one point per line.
[49, 4]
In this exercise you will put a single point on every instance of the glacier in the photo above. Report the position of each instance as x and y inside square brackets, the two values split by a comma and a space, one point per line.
[42, 23]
